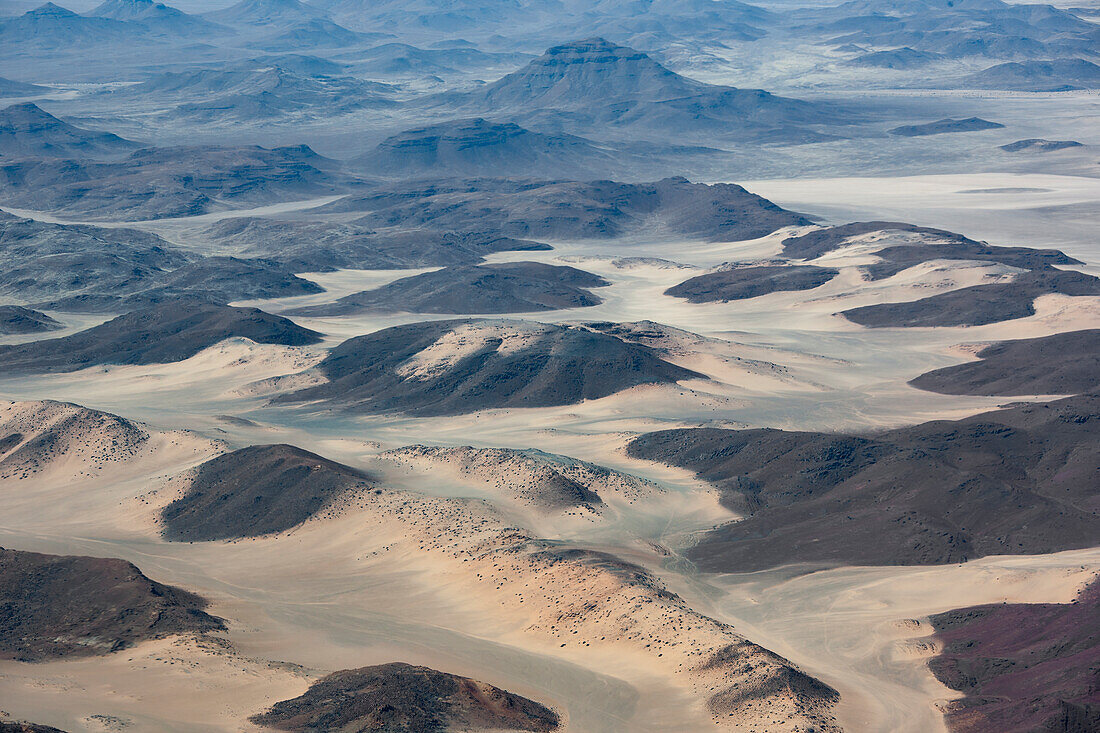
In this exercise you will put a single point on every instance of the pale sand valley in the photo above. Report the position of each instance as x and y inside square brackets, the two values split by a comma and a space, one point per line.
[545, 365]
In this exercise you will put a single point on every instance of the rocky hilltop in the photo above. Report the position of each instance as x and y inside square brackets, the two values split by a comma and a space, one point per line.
[507, 287]
[1021, 666]
[598, 87]
[15, 319]
[255, 491]
[445, 367]
[1013, 481]
[161, 334]
[28, 130]
[60, 607]
[401, 698]
[478, 147]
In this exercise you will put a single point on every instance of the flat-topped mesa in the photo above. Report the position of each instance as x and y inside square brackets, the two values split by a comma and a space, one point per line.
[61, 607]
[899, 245]
[400, 698]
[146, 184]
[322, 246]
[165, 333]
[597, 88]
[591, 70]
[461, 366]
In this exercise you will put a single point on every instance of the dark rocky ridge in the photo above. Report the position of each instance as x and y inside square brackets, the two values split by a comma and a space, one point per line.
[895, 58]
[161, 334]
[60, 607]
[940, 127]
[316, 246]
[1016, 481]
[1065, 363]
[971, 306]
[595, 86]
[1057, 75]
[159, 18]
[75, 267]
[739, 283]
[12, 88]
[1023, 666]
[979, 304]
[571, 209]
[28, 130]
[477, 147]
[263, 489]
[551, 365]
[1038, 145]
[401, 698]
[157, 183]
[935, 244]
[508, 287]
[952, 30]
[15, 319]
[22, 726]
[265, 89]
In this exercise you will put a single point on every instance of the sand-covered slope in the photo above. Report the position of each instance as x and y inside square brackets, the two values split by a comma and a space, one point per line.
[574, 603]
[1014, 481]
[256, 491]
[897, 246]
[546, 482]
[593, 86]
[400, 698]
[64, 607]
[160, 334]
[980, 304]
[456, 367]
[36, 435]
[1021, 666]
[1065, 363]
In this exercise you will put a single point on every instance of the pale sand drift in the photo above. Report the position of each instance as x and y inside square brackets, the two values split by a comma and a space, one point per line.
[492, 578]
[403, 571]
